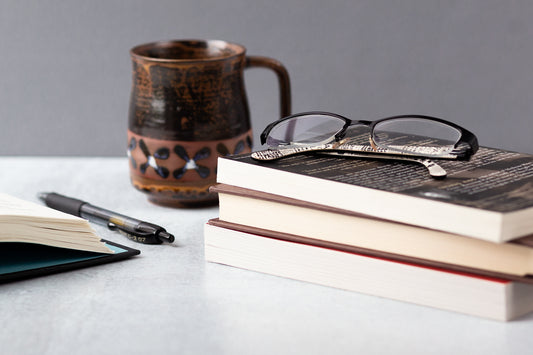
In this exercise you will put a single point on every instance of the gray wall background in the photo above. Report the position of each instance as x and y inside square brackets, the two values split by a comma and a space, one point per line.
[66, 72]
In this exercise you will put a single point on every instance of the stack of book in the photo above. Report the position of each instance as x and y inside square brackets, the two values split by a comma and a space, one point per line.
[388, 229]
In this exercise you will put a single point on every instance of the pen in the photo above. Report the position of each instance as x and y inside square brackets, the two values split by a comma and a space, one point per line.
[134, 229]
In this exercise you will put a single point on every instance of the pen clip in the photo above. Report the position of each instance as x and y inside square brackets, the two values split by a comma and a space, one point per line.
[138, 236]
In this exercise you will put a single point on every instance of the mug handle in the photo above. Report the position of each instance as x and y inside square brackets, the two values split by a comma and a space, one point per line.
[283, 78]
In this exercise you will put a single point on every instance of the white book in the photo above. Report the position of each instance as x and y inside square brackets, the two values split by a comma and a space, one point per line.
[460, 292]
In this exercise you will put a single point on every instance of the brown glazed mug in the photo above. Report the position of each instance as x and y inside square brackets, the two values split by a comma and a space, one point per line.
[188, 106]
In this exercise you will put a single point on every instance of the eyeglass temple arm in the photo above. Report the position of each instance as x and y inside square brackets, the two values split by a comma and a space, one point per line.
[471, 139]
[468, 138]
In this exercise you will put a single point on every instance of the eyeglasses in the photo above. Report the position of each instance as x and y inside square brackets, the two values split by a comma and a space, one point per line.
[405, 137]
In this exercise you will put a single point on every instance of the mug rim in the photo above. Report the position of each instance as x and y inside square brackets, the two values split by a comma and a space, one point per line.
[238, 50]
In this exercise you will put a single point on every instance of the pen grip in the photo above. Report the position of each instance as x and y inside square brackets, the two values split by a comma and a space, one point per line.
[64, 204]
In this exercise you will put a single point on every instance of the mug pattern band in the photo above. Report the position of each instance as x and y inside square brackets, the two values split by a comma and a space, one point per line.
[181, 161]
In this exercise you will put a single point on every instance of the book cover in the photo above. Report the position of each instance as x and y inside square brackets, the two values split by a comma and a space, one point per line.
[20, 261]
[489, 197]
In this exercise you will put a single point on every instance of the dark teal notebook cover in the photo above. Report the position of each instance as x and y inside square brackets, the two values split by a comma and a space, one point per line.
[26, 260]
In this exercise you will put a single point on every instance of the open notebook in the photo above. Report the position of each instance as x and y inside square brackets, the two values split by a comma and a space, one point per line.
[36, 240]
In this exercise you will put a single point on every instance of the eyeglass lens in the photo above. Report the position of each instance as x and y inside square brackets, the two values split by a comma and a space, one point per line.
[309, 129]
[402, 133]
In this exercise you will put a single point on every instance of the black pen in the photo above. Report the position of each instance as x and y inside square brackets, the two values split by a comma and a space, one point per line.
[134, 229]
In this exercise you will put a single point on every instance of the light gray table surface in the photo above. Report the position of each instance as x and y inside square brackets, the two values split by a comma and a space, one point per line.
[169, 300]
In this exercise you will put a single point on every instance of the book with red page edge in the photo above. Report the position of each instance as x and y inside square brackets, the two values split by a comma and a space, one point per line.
[373, 252]
[457, 291]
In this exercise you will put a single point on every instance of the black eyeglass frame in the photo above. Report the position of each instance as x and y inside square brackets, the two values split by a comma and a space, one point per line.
[466, 136]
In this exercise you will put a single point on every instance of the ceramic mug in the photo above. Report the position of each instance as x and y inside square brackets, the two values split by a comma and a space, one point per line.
[188, 106]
